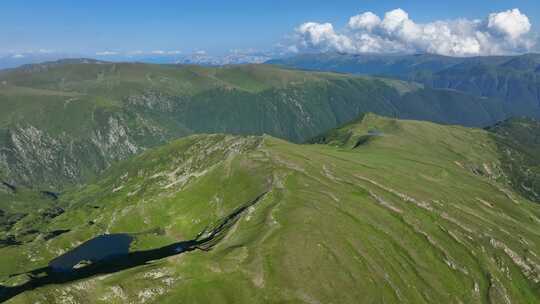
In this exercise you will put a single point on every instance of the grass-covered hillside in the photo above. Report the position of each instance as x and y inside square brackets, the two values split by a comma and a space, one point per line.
[63, 122]
[378, 211]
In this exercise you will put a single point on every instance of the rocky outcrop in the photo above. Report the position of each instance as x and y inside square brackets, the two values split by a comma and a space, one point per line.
[154, 100]
[112, 141]
[35, 158]
[30, 154]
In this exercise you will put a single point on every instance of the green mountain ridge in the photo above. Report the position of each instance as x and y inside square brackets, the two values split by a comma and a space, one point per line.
[64, 122]
[380, 210]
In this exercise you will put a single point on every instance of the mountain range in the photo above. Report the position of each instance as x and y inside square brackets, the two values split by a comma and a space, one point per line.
[513, 80]
[64, 121]
[14, 60]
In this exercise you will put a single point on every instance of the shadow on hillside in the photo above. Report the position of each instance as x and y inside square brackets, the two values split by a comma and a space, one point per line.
[47, 275]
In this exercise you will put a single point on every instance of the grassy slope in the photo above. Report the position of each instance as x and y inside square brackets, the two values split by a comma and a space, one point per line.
[386, 211]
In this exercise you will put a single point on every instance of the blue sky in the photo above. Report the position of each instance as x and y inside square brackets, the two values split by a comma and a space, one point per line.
[215, 26]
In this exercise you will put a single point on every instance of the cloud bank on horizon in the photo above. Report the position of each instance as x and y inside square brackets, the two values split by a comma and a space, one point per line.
[506, 32]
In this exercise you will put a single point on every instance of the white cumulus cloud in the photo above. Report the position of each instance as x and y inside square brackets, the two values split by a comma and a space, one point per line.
[322, 35]
[367, 21]
[511, 23]
[500, 33]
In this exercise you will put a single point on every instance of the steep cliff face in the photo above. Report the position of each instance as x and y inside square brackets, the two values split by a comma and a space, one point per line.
[30, 154]
[37, 158]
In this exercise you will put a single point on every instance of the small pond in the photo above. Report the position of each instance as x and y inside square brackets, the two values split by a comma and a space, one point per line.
[98, 249]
